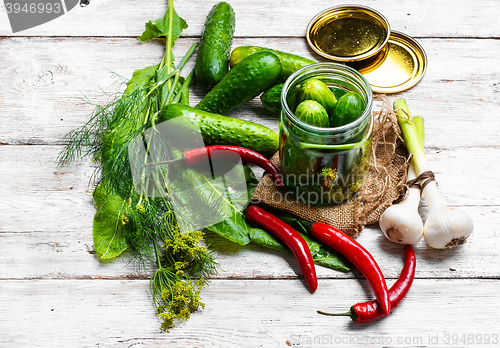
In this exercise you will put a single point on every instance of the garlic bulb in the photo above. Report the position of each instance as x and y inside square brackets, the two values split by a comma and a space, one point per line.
[445, 227]
[401, 223]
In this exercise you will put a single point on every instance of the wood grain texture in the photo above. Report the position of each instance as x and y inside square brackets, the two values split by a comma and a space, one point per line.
[55, 291]
[68, 254]
[51, 211]
[45, 87]
[244, 313]
[66, 192]
[282, 18]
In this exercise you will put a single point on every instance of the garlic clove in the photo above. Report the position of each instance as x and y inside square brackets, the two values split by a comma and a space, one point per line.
[400, 227]
[447, 228]
[401, 222]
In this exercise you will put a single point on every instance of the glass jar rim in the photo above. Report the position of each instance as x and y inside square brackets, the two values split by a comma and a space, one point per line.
[323, 130]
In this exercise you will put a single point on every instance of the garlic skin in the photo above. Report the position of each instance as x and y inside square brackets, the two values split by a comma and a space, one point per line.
[445, 227]
[401, 223]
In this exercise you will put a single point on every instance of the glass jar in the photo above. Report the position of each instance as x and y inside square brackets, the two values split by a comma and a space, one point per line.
[325, 165]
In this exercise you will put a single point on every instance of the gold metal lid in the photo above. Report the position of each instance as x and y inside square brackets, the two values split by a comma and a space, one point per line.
[400, 66]
[348, 33]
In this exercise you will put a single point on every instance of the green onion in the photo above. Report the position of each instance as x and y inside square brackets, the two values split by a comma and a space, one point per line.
[411, 136]
[445, 227]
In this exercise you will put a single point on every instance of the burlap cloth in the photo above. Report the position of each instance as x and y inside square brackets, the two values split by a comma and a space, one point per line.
[384, 184]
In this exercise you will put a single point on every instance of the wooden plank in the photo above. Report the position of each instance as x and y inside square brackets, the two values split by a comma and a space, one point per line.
[44, 87]
[47, 186]
[64, 254]
[246, 313]
[48, 232]
[259, 18]
[54, 289]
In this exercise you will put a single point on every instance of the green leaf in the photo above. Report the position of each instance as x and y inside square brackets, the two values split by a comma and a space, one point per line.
[326, 257]
[235, 229]
[263, 238]
[110, 224]
[321, 254]
[159, 27]
[312, 244]
[220, 201]
[141, 78]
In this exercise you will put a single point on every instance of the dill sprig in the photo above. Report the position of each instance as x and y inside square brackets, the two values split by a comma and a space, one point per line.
[139, 215]
[183, 270]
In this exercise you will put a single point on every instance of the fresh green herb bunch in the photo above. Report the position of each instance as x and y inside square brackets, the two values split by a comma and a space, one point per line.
[127, 216]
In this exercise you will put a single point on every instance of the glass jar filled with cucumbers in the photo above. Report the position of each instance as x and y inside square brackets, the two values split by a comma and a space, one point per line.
[326, 126]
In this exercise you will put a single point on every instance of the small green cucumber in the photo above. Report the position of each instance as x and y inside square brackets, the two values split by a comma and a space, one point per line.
[348, 108]
[290, 62]
[271, 99]
[215, 45]
[338, 92]
[314, 89]
[313, 113]
[250, 78]
[222, 130]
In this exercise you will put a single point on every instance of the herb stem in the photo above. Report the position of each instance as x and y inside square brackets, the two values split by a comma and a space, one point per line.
[411, 136]
[187, 56]
[184, 88]
[157, 254]
[167, 57]
[172, 88]
[160, 83]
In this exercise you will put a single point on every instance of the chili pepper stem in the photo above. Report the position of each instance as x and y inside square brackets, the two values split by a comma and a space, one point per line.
[349, 313]
[368, 311]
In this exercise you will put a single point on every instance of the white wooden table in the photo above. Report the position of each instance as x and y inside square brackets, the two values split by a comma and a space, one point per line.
[55, 292]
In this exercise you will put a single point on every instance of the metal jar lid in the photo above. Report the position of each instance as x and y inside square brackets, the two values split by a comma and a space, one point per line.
[348, 33]
[400, 66]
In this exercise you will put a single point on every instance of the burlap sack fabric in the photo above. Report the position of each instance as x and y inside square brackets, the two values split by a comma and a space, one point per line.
[384, 184]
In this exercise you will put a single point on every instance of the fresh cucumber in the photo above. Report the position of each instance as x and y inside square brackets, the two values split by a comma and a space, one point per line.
[338, 92]
[314, 89]
[222, 130]
[251, 77]
[215, 45]
[271, 99]
[289, 62]
[313, 113]
[348, 108]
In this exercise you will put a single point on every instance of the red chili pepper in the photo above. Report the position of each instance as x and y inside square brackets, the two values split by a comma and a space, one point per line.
[223, 152]
[367, 311]
[358, 256]
[291, 238]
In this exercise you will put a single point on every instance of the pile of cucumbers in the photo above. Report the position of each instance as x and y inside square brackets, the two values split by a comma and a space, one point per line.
[234, 78]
